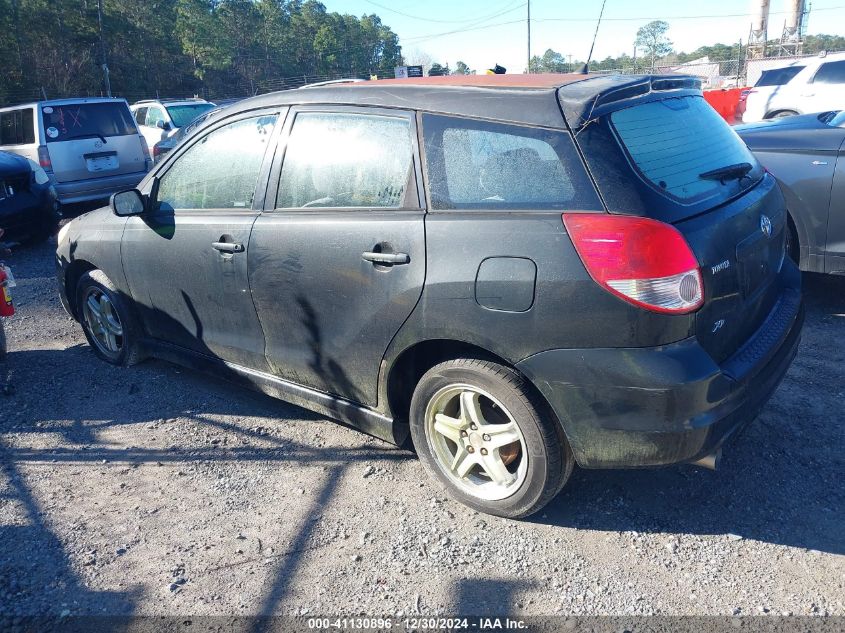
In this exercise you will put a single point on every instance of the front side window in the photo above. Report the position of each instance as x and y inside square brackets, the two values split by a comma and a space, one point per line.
[346, 160]
[220, 171]
[154, 115]
[830, 73]
[16, 127]
[482, 165]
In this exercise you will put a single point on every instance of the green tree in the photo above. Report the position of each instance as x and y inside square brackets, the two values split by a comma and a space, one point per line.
[462, 69]
[550, 62]
[437, 70]
[652, 39]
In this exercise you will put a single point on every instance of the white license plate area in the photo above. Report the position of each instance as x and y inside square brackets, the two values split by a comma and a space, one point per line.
[102, 163]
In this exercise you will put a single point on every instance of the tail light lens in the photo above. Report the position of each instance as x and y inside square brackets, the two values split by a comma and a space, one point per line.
[643, 261]
[44, 157]
[145, 147]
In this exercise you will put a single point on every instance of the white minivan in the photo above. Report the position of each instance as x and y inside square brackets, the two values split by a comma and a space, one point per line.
[89, 147]
[810, 84]
[162, 118]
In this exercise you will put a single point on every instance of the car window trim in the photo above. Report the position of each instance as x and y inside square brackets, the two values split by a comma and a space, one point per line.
[415, 179]
[150, 186]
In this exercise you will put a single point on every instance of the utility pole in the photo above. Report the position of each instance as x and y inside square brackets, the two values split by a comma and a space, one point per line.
[528, 22]
[105, 65]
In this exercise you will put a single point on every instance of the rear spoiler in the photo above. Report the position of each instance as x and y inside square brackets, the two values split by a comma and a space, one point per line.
[583, 101]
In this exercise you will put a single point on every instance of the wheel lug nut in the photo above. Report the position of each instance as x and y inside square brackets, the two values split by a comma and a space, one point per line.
[473, 427]
[483, 451]
[486, 437]
[464, 434]
[470, 449]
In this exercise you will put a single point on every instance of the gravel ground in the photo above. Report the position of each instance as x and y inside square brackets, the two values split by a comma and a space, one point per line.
[155, 490]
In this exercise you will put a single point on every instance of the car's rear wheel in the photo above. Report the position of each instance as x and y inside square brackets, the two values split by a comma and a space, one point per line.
[782, 113]
[479, 430]
[107, 320]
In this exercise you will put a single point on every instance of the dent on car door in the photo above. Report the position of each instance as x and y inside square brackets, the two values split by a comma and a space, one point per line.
[186, 257]
[337, 263]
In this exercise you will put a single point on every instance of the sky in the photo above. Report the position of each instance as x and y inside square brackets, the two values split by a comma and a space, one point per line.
[482, 33]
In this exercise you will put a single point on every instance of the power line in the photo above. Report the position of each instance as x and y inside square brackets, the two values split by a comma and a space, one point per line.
[679, 17]
[426, 19]
[472, 27]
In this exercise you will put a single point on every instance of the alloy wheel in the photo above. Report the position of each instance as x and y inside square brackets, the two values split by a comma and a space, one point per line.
[476, 442]
[103, 321]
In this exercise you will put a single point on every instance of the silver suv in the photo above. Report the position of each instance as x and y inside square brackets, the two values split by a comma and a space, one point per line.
[90, 148]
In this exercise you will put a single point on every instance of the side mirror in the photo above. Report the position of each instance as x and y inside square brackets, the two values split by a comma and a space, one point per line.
[126, 203]
[163, 125]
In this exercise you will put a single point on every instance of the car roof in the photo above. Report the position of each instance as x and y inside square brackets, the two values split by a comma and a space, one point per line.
[167, 102]
[528, 99]
[69, 101]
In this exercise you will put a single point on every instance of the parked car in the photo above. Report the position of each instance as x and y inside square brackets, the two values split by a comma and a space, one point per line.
[161, 118]
[161, 149]
[813, 84]
[801, 152]
[29, 208]
[89, 148]
[586, 270]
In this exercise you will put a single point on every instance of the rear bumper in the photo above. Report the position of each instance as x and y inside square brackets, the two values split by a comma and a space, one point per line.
[97, 188]
[623, 408]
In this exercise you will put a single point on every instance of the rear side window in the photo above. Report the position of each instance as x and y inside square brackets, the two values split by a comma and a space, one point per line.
[674, 141]
[16, 127]
[141, 116]
[482, 165]
[830, 73]
[87, 120]
[778, 76]
[347, 161]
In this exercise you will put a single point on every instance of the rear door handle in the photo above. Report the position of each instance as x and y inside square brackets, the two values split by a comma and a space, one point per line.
[228, 247]
[386, 258]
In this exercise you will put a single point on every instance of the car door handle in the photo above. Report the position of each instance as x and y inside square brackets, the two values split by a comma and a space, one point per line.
[228, 247]
[386, 258]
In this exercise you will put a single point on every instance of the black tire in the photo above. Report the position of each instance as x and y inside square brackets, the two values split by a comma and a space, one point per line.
[782, 113]
[549, 458]
[129, 350]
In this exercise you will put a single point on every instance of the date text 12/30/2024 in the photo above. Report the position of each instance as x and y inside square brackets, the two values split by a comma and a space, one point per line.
[417, 624]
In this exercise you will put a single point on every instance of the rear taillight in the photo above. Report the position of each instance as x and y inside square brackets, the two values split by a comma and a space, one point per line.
[144, 146]
[643, 261]
[44, 157]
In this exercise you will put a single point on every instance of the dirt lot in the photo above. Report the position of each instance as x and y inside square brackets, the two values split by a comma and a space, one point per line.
[154, 490]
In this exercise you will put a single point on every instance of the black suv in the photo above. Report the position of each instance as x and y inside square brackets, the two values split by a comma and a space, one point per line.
[525, 273]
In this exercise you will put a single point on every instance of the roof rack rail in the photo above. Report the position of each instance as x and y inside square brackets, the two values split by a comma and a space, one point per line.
[331, 82]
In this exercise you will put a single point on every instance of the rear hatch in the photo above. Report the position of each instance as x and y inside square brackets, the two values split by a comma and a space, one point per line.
[671, 157]
[92, 139]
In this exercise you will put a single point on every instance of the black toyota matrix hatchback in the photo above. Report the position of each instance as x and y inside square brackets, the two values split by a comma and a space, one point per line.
[522, 273]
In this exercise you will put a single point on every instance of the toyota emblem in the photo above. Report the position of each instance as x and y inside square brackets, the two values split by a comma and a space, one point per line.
[766, 225]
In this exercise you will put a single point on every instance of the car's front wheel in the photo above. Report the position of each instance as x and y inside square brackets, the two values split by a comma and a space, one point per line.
[478, 429]
[107, 320]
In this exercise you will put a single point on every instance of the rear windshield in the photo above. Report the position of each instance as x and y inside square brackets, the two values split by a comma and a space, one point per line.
[87, 120]
[673, 142]
[184, 114]
[778, 76]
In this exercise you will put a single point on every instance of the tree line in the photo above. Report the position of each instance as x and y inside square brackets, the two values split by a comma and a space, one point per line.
[653, 43]
[211, 48]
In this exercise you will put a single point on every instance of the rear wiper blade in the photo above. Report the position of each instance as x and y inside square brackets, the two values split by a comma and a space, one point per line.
[79, 136]
[729, 172]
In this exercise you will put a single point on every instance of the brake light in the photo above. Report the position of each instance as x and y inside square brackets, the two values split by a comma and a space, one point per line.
[643, 261]
[44, 157]
[145, 147]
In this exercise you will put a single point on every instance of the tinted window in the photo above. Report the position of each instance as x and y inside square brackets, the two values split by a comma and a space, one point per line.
[673, 141]
[184, 114]
[16, 127]
[141, 116]
[778, 76]
[830, 73]
[220, 171]
[477, 164]
[346, 160]
[86, 120]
